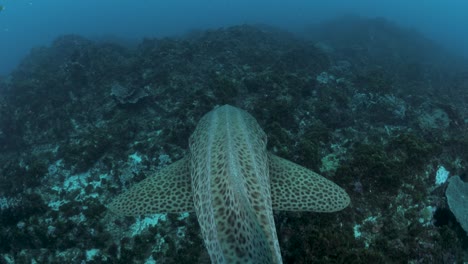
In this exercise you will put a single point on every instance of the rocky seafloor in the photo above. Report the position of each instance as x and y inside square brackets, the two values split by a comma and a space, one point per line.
[378, 109]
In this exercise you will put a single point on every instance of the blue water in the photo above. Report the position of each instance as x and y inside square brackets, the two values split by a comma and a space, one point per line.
[25, 24]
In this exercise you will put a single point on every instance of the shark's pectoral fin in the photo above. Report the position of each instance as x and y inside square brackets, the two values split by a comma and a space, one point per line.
[295, 188]
[168, 191]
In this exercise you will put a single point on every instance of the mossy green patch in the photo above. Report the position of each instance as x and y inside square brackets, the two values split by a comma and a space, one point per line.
[385, 167]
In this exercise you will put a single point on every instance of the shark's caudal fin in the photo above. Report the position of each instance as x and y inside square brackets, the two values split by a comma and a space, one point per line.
[168, 191]
[295, 188]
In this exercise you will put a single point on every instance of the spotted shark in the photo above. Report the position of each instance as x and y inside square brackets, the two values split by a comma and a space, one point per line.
[233, 184]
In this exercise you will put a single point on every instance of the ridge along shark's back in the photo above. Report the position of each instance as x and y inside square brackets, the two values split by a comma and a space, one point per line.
[231, 186]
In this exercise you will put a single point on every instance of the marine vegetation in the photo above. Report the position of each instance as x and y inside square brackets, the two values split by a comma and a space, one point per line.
[378, 109]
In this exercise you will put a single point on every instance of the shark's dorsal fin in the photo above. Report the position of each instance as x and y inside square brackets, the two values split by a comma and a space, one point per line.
[167, 191]
[295, 188]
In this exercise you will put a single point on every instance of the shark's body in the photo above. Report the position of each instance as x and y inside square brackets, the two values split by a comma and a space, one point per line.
[233, 184]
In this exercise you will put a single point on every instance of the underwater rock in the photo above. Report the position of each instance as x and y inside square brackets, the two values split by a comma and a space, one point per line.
[457, 198]
[126, 95]
[73, 115]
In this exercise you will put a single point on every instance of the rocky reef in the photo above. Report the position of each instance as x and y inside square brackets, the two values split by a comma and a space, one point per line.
[377, 108]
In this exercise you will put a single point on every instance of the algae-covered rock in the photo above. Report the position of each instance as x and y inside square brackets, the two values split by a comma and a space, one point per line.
[457, 198]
